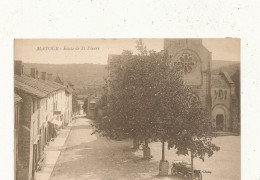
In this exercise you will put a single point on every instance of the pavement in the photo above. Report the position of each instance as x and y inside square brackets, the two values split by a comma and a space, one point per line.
[51, 153]
[79, 155]
[93, 157]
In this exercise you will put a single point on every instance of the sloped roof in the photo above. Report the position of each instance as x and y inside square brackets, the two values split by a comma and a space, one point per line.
[58, 79]
[29, 89]
[68, 87]
[228, 79]
[17, 98]
[36, 83]
[218, 81]
[37, 87]
[52, 84]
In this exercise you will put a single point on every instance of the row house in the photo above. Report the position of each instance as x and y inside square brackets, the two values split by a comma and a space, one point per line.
[45, 105]
[68, 92]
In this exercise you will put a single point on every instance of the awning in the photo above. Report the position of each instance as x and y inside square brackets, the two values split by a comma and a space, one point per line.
[56, 122]
[36, 139]
[57, 112]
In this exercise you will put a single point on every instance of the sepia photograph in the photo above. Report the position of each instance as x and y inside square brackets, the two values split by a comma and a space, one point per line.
[112, 109]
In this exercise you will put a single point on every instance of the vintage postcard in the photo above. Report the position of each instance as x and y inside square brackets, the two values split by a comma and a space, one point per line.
[127, 109]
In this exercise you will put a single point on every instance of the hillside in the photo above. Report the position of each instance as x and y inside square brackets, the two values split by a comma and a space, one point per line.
[89, 75]
[225, 66]
[81, 74]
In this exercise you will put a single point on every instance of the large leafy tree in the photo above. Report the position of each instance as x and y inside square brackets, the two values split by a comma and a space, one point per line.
[146, 98]
[145, 94]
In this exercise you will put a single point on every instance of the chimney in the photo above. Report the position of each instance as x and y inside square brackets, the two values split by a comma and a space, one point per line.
[43, 75]
[18, 67]
[49, 76]
[33, 73]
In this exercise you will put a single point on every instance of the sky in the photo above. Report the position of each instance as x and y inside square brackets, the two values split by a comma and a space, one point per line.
[78, 51]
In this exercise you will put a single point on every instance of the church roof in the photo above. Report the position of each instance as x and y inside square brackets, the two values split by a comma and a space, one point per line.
[218, 81]
[221, 80]
[227, 77]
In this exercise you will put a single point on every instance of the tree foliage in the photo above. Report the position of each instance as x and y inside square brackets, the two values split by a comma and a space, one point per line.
[146, 97]
[192, 137]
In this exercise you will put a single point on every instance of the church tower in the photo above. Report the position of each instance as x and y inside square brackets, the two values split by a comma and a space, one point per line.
[196, 62]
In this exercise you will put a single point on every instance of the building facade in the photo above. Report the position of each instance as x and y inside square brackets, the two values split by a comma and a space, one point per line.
[17, 106]
[224, 103]
[45, 105]
[195, 60]
[216, 92]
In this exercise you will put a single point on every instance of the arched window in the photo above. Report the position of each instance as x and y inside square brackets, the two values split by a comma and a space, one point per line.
[216, 94]
[220, 94]
[225, 94]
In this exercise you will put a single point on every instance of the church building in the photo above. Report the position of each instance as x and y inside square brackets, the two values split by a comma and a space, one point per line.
[216, 92]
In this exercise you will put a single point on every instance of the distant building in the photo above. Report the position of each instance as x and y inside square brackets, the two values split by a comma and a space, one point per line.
[92, 102]
[45, 104]
[81, 103]
[68, 92]
[216, 92]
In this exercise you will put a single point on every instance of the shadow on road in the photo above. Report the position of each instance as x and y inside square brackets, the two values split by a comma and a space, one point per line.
[101, 159]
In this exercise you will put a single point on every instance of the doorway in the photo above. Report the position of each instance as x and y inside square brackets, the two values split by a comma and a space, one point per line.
[220, 122]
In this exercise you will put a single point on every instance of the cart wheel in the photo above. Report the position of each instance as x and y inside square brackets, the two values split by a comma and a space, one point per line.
[200, 176]
[189, 177]
[174, 171]
[197, 175]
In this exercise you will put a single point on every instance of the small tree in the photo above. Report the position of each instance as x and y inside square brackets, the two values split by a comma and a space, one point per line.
[193, 137]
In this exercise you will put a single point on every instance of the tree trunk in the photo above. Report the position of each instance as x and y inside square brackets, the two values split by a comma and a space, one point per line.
[163, 151]
[164, 165]
[135, 143]
[146, 150]
[146, 143]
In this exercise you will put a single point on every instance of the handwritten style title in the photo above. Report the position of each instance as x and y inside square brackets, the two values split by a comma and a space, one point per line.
[67, 48]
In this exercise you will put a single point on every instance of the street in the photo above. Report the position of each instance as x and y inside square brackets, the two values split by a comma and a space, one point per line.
[89, 156]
